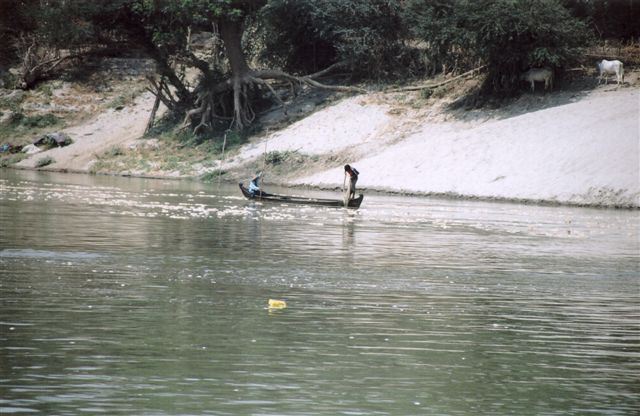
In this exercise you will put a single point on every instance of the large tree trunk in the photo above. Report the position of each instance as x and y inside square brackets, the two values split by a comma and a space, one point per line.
[231, 34]
[242, 85]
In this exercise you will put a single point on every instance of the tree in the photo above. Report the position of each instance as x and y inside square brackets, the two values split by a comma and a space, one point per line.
[514, 36]
[228, 89]
[45, 34]
[506, 35]
[367, 36]
[447, 42]
[15, 18]
[613, 19]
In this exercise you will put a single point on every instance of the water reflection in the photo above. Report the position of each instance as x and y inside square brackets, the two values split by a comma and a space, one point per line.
[124, 296]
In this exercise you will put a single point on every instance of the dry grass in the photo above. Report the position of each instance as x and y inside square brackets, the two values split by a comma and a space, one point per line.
[628, 53]
[168, 156]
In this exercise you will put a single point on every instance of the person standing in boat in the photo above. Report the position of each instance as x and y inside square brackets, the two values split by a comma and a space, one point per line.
[352, 173]
[254, 185]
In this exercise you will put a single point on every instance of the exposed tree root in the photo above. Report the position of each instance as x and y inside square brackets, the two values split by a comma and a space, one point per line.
[230, 103]
[241, 92]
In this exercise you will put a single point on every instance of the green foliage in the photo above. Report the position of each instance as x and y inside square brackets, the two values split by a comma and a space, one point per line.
[166, 22]
[39, 121]
[276, 157]
[164, 126]
[426, 93]
[7, 161]
[608, 19]
[22, 128]
[233, 139]
[45, 89]
[515, 36]
[19, 119]
[16, 17]
[44, 161]
[440, 27]
[125, 99]
[16, 118]
[7, 78]
[379, 39]
[306, 36]
[212, 176]
[184, 136]
[508, 36]
[113, 151]
[215, 145]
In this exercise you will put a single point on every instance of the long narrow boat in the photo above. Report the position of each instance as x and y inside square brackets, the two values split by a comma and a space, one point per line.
[263, 196]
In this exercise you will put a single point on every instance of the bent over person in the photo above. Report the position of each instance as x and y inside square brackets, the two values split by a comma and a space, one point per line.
[350, 193]
[254, 185]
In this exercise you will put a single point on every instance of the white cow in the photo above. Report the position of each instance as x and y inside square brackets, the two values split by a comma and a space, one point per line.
[610, 67]
[538, 74]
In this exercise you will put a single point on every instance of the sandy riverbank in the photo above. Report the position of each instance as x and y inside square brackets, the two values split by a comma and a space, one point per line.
[569, 148]
[585, 151]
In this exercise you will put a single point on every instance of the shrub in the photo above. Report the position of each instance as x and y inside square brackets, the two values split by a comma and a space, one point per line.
[275, 157]
[426, 93]
[113, 151]
[44, 161]
[11, 159]
[45, 89]
[39, 121]
[212, 176]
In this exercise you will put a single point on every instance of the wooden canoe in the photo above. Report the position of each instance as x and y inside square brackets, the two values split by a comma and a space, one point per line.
[264, 196]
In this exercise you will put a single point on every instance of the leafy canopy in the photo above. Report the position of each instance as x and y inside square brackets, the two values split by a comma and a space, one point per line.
[508, 36]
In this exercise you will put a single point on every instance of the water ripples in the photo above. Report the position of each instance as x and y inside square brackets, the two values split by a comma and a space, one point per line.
[135, 297]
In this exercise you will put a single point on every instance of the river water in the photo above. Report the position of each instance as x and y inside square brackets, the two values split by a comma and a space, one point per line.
[126, 296]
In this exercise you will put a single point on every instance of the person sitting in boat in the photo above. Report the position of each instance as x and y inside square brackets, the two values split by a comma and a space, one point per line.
[254, 185]
[352, 173]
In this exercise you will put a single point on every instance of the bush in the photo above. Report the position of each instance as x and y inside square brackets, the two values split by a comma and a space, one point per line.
[12, 159]
[7, 79]
[44, 161]
[17, 118]
[113, 151]
[39, 121]
[275, 157]
[212, 176]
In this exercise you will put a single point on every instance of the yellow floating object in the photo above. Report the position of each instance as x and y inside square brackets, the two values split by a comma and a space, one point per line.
[277, 304]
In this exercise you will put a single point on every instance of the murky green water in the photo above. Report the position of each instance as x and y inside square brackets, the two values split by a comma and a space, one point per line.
[138, 297]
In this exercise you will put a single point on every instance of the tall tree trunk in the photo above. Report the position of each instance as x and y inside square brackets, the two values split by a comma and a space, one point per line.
[231, 34]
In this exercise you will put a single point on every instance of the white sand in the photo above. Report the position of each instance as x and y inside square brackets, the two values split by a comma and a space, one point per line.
[586, 152]
[345, 125]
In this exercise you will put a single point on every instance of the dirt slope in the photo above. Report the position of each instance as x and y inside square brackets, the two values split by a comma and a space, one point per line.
[98, 135]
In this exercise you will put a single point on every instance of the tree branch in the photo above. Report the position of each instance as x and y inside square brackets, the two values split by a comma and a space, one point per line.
[439, 84]
[328, 69]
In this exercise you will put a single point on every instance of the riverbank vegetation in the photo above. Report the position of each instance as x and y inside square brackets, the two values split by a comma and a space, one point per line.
[220, 66]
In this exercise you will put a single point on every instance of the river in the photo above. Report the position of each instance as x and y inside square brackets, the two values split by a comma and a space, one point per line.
[127, 296]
